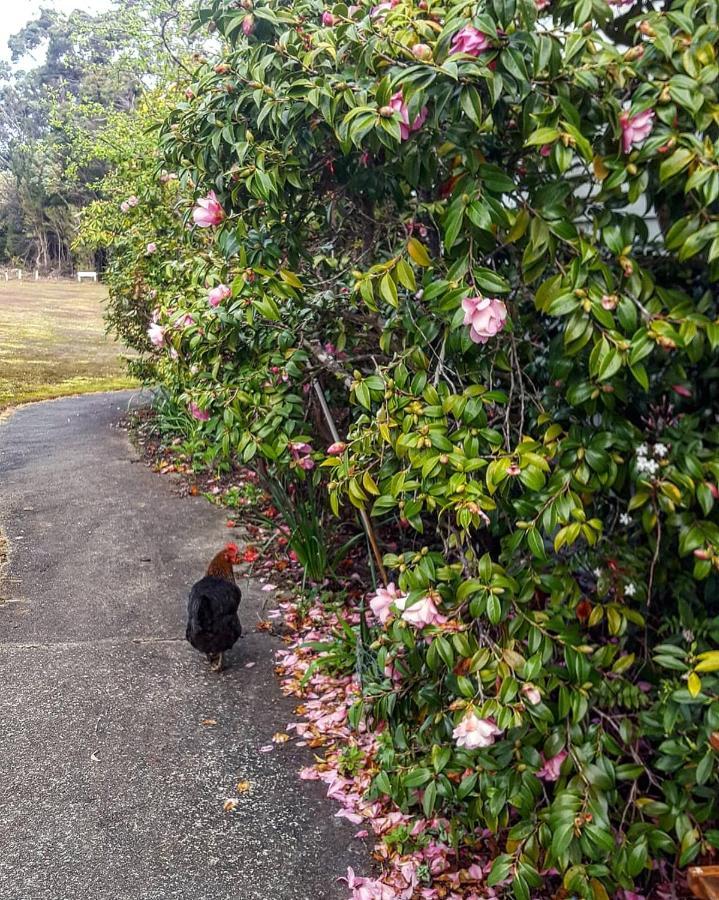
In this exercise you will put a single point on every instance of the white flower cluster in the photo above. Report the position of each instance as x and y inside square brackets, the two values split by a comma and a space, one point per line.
[645, 464]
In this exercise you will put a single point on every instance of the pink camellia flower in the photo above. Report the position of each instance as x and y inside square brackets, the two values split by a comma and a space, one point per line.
[485, 316]
[336, 449]
[542, 4]
[531, 693]
[207, 211]
[635, 129]
[125, 206]
[328, 19]
[300, 453]
[248, 25]
[545, 149]
[132, 201]
[382, 601]
[156, 333]
[200, 414]
[151, 248]
[422, 612]
[470, 40]
[473, 732]
[187, 321]
[551, 767]
[218, 294]
[397, 103]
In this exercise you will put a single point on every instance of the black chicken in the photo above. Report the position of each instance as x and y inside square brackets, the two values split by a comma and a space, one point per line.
[212, 623]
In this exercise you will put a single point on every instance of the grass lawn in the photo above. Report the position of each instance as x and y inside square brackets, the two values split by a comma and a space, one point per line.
[53, 342]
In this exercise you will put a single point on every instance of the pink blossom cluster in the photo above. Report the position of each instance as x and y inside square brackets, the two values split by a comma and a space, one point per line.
[635, 129]
[218, 294]
[207, 211]
[470, 40]
[390, 601]
[156, 333]
[301, 454]
[406, 128]
[127, 205]
[486, 317]
[197, 413]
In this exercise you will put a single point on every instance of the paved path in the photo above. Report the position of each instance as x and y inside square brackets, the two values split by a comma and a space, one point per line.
[111, 788]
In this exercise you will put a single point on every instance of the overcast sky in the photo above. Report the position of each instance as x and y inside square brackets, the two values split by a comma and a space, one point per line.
[15, 13]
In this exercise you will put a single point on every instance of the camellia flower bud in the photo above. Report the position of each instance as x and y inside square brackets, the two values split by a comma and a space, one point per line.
[636, 52]
[646, 29]
[422, 51]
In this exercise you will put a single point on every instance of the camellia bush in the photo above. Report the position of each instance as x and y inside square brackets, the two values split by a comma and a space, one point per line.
[137, 221]
[488, 235]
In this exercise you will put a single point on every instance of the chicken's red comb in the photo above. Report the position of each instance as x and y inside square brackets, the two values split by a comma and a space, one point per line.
[232, 547]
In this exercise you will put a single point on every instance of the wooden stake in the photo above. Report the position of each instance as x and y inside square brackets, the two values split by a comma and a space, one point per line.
[366, 523]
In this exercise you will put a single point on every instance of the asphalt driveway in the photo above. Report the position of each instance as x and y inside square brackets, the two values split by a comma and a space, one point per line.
[118, 746]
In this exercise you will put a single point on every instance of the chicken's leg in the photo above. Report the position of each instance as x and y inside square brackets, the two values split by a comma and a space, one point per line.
[217, 663]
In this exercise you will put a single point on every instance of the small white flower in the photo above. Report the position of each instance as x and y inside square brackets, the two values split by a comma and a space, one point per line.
[630, 590]
[642, 450]
[625, 519]
[661, 450]
[597, 573]
[647, 466]
[688, 635]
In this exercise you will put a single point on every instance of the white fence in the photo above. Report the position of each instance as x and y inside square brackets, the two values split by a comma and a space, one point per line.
[20, 275]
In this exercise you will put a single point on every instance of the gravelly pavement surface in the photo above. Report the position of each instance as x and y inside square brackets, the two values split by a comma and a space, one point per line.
[112, 786]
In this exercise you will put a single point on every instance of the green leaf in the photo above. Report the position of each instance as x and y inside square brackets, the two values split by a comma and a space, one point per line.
[490, 281]
[388, 289]
[500, 869]
[471, 103]
[430, 796]
[418, 252]
[416, 777]
[542, 136]
[679, 160]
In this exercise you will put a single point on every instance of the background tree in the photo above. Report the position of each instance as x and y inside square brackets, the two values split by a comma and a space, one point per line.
[92, 65]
